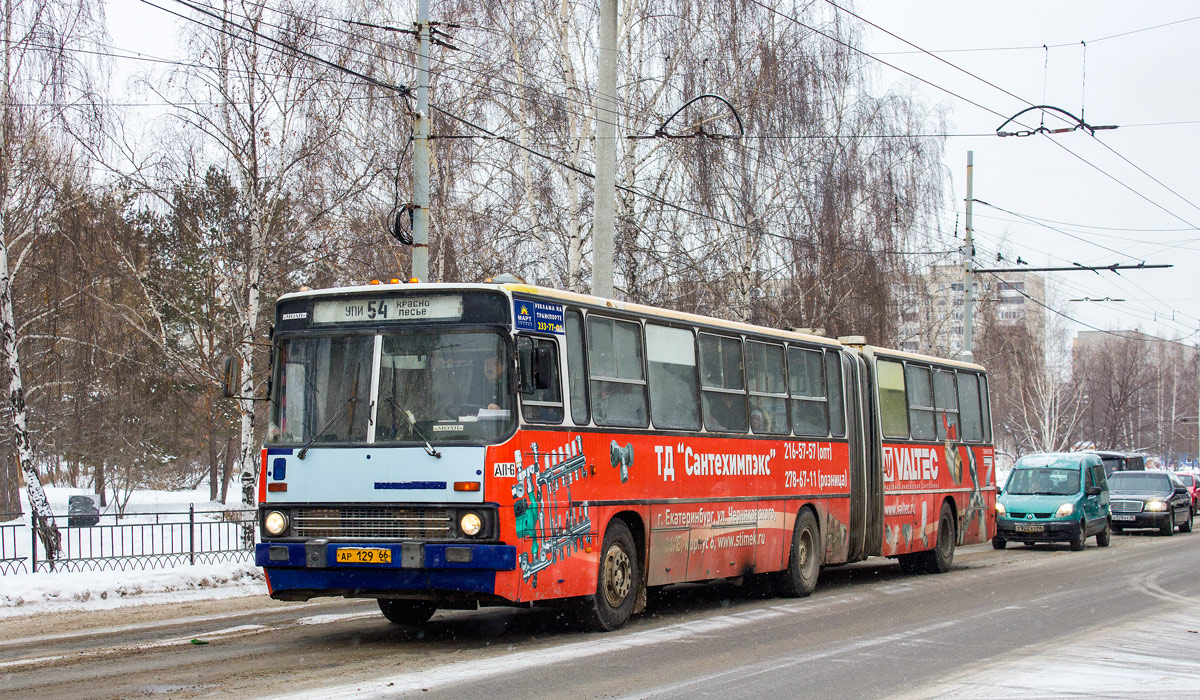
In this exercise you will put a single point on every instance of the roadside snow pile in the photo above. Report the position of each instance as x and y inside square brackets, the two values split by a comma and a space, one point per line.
[23, 594]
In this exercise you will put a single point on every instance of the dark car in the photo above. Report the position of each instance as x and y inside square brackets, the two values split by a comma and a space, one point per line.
[82, 512]
[1149, 499]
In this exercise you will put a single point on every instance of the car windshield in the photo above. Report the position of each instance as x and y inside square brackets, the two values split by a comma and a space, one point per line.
[434, 386]
[1131, 482]
[1187, 480]
[1043, 481]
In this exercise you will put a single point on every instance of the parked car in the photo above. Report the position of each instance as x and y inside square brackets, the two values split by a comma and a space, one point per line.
[82, 512]
[1190, 481]
[1150, 499]
[1056, 497]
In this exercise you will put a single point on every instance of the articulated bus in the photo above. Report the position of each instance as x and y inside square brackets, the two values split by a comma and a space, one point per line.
[463, 445]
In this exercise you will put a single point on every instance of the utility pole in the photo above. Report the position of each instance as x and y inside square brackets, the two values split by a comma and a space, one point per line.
[420, 222]
[604, 204]
[967, 354]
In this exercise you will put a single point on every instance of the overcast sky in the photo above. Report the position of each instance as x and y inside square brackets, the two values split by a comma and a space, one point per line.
[1132, 81]
[1111, 212]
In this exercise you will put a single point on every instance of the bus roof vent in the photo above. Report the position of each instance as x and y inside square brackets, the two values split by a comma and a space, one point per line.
[854, 341]
[504, 278]
[809, 331]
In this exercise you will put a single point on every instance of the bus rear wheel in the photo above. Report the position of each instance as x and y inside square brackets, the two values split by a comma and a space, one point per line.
[407, 612]
[617, 582]
[804, 561]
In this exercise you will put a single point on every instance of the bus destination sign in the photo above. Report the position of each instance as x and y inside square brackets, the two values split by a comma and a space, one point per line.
[389, 309]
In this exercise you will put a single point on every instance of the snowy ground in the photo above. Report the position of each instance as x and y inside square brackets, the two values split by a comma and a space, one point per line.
[25, 594]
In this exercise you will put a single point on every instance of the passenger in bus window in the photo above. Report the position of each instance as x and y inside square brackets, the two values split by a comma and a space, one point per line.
[760, 422]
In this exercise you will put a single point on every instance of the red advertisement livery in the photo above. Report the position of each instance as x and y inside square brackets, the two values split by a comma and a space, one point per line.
[452, 446]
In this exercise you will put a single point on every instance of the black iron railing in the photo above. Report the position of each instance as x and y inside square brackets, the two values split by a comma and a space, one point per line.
[136, 541]
[11, 560]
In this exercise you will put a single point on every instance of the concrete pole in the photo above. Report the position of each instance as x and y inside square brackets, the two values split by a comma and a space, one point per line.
[420, 252]
[967, 354]
[604, 206]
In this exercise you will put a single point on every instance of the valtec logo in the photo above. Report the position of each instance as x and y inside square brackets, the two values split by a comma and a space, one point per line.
[910, 464]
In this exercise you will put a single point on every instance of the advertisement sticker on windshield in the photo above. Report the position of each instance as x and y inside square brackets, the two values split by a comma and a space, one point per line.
[538, 316]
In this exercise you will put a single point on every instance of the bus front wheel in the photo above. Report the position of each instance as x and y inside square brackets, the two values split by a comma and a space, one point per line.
[617, 582]
[804, 561]
[407, 612]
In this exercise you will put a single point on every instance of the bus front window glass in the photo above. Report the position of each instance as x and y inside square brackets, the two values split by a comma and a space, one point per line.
[324, 390]
[893, 404]
[618, 385]
[983, 404]
[724, 388]
[444, 387]
[806, 373]
[920, 402]
[768, 393]
[968, 407]
[945, 401]
[576, 368]
[674, 395]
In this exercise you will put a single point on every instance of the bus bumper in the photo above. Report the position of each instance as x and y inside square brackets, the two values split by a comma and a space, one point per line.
[308, 569]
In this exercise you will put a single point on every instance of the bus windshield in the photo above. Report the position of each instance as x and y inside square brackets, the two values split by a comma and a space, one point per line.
[435, 386]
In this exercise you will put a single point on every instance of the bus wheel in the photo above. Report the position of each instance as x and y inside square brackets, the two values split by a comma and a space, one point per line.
[617, 583]
[407, 612]
[804, 561]
[939, 559]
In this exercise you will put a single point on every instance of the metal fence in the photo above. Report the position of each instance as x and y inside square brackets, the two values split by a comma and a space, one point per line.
[10, 560]
[143, 541]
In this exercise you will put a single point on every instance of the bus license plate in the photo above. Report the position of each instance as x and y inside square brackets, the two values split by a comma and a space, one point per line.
[1122, 517]
[1030, 528]
[364, 556]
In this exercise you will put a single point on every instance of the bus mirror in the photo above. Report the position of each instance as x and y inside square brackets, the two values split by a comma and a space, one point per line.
[525, 367]
[233, 377]
[543, 367]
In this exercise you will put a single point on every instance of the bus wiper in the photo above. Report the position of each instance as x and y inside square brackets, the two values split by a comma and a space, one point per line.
[311, 440]
[412, 424]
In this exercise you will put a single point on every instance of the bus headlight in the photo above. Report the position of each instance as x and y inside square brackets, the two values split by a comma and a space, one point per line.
[275, 523]
[470, 524]
[1064, 510]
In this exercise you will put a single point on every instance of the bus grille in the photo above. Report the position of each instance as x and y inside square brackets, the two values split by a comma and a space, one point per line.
[400, 522]
[1126, 506]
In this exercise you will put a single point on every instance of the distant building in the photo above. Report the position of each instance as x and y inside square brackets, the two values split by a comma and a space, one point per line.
[932, 307]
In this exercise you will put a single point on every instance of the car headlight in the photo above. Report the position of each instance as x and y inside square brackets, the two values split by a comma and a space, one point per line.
[1156, 506]
[470, 524]
[1000, 509]
[1064, 510]
[275, 523]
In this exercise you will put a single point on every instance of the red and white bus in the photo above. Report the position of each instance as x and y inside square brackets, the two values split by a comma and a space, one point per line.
[461, 445]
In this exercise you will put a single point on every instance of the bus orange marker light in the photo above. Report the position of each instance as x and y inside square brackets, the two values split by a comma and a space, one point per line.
[277, 487]
[395, 281]
[413, 280]
[376, 282]
[466, 486]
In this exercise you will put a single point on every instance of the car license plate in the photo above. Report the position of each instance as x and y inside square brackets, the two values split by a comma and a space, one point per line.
[364, 556]
[1122, 517]
[1030, 528]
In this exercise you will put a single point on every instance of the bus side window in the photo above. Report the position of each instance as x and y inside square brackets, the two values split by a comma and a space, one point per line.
[577, 368]
[806, 376]
[674, 393]
[833, 386]
[987, 410]
[920, 402]
[724, 386]
[893, 404]
[544, 405]
[945, 400]
[968, 406]
[768, 388]
[618, 388]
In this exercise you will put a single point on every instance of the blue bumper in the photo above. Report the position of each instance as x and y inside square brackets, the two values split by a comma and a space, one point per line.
[414, 567]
